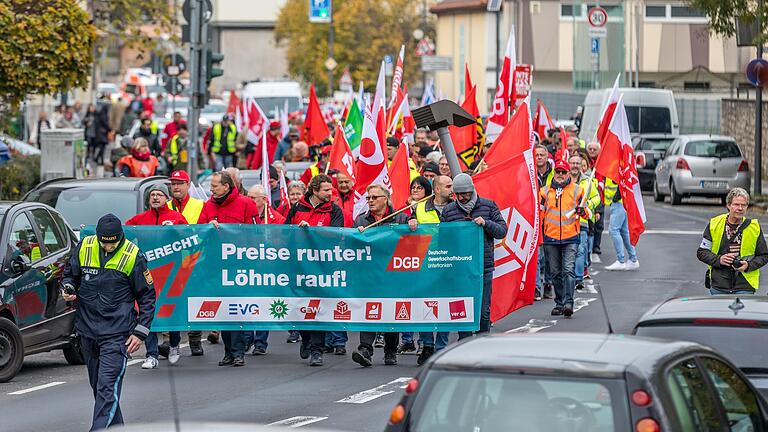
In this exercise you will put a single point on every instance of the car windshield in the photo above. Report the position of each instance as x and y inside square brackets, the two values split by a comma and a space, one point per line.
[270, 104]
[736, 343]
[645, 119]
[661, 144]
[467, 401]
[712, 149]
[85, 207]
[217, 108]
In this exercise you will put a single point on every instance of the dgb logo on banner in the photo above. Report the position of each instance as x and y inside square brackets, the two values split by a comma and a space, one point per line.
[409, 253]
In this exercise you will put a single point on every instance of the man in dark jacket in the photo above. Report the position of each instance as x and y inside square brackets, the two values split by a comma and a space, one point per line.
[106, 322]
[380, 208]
[145, 131]
[315, 209]
[734, 248]
[485, 213]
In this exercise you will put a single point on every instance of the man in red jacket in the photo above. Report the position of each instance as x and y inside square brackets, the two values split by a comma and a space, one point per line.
[315, 209]
[170, 130]
[159, 214]
[228, 206]
[345, 198]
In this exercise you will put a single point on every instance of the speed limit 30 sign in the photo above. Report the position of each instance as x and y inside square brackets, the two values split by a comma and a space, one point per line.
[598, 18]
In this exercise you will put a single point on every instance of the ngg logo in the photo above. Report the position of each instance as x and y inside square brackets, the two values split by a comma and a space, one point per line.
[208, 309]
[409, 253]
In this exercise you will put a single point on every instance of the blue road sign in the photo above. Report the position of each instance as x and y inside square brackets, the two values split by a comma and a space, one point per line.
[388, 59]
[595, 46]
[320, 11]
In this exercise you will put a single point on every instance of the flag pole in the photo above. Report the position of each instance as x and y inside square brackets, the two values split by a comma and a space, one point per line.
[398, 212]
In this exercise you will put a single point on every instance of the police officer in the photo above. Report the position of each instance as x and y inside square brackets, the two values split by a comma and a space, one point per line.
[734, 248]
[110, 274]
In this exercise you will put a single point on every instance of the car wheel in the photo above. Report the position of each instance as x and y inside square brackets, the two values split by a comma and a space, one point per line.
[674, 196]
[11, 350]
[657, 196]
[73, 354]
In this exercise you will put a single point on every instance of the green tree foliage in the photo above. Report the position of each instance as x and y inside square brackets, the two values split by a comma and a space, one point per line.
[19, 175]
[724, 13]
[364, 31]
[133, 23]
[45, 47]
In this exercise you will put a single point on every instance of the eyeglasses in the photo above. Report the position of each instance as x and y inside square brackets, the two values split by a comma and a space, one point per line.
[561, 172]
[374, 197]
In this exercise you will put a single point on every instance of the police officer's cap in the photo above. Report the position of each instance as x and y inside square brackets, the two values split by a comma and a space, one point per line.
[109, 229]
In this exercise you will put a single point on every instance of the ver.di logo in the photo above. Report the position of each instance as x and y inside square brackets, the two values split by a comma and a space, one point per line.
[278, 309]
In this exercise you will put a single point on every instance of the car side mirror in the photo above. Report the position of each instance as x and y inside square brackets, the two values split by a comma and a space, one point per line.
[20, 264]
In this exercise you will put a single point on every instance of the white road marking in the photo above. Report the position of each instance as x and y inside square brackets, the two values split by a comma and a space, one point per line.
[589, 288]
[376, 392]
[298, 421]
[579, 303]
[533, 326]
[40, 387]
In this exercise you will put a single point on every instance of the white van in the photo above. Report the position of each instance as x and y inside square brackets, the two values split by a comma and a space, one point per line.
[271, 96]
[648, 111]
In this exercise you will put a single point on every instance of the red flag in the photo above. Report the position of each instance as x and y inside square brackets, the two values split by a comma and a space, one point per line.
[397, 77]
[284, 201]
[315, 129]
[467, 81]
[562, 153]
[394, 110]
[610, 108]
[341, 158]
[400, 176]
[514, 187]
[499, 115]
[617, 162]
[514, 139]
[255, 120]
[234, 102]
[542, 122]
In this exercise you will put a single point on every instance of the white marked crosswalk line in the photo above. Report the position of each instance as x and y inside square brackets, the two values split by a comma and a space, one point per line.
[533, 326]
[298, 421]
[376, 392]
[40, 387]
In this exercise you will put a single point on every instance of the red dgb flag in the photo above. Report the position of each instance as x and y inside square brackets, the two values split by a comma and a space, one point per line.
[617, 162]
[512, 184]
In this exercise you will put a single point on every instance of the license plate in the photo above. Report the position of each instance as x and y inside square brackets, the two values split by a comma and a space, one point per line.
[714, 184]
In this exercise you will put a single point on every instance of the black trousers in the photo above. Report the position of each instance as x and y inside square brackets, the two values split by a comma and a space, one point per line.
[390, 341]
[106, 361]
[599, 226]
[316, 339]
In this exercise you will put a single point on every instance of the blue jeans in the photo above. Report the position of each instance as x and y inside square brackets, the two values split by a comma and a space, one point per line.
[258, 338]
[407, 337]
[619, 231]
[562, 262]
[234, 343]
[429, 340]
[225, 161]
[152, 346]
[336, 339]
[485, 306]
[582, 255]
[716, 291]
[591, 243]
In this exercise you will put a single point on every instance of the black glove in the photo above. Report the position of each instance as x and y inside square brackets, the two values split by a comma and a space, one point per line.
[581, 211]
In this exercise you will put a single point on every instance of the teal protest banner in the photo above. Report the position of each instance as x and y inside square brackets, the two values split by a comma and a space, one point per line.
[281, 277]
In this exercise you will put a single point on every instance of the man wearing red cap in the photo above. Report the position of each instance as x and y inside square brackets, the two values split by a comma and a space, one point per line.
[319, 166]
[560, 213]
[273, 139]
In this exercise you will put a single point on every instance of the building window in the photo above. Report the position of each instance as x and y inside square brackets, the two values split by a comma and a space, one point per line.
[686, 12]
[655, 11]
[567, 11]
[647, 84]
[695, 86]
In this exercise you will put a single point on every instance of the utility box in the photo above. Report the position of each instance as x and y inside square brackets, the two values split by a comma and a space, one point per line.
[63, 153]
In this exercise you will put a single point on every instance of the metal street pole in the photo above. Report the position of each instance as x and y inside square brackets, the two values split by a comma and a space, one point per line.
[195, 60]
[330, 56]
[759, 112]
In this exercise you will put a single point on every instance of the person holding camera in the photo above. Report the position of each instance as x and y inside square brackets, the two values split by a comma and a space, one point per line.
[734, 248]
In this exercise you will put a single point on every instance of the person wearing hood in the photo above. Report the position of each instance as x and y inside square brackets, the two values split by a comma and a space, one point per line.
[159, 214]
[379, 207]
[149, 133]
[485, 213]
[560, 214]
[315, 209]
[227, 206]
[107, 268]
[140, 163]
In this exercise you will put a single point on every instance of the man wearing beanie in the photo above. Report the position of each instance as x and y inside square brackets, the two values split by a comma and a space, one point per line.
[159, 214]
[105, 275]
[485, 213]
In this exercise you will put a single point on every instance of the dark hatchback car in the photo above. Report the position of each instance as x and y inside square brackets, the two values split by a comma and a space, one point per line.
[36, 243]
[84, 201]
[735, 326]
[654, 147]
[578, 382]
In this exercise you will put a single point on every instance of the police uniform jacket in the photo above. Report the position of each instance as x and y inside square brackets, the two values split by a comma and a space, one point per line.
[107, 287]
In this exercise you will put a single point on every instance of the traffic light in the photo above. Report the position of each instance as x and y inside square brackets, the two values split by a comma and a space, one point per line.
[211, 72]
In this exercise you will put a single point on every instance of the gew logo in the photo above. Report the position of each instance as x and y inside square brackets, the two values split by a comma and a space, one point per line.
[409, 253]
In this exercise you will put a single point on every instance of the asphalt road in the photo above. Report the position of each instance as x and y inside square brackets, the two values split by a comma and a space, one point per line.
[49, 395]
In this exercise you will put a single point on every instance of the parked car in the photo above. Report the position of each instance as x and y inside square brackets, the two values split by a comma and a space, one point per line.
[653, 147]
[700, 165]
[735, 326]
[84, 201]
[578, 382]
[36, 244]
